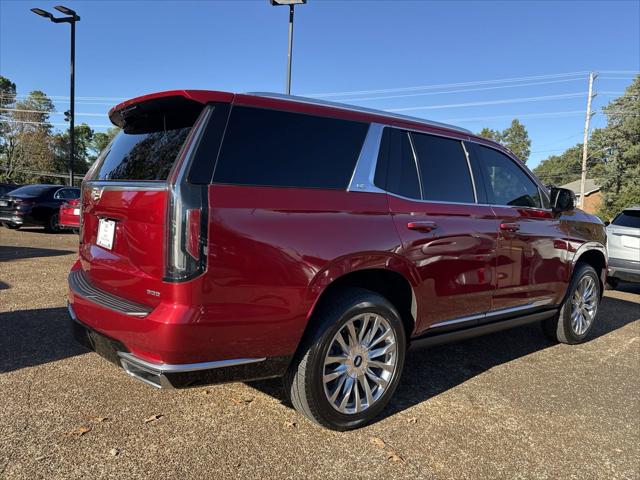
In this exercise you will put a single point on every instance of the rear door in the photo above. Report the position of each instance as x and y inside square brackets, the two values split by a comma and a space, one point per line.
[445, 232]
[532, 261]
[623, 237]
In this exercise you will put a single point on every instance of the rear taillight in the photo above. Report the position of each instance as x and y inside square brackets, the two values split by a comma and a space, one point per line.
[187, 214]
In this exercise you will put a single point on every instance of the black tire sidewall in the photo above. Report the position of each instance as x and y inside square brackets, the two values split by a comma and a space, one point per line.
[373, 304]
[52, 224]
[565, 332]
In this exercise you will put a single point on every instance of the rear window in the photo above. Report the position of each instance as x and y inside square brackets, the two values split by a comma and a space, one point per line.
[32, 190]
[283, 149]
[628, 218]
[141, 156]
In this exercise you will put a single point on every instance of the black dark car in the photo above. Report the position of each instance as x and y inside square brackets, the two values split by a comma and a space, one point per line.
[7, 187]
[35, 205]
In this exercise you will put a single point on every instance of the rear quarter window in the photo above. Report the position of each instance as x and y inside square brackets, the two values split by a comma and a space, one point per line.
[141, 156]
[284, 149]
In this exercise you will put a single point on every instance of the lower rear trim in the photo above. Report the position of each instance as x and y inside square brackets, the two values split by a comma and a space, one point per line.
[483, 329]
[164, 375]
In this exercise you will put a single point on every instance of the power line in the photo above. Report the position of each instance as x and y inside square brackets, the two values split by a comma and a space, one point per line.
[492, 102]
[518, 115]
[445, 92]
[446, 85]
[6, 120]
[52, 113]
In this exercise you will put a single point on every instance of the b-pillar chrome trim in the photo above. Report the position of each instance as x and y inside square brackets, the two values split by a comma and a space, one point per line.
[365, 171]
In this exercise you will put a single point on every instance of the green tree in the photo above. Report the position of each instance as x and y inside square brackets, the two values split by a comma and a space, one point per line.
[102, 139]
[494, 135]
[618, 146]
[83, 151]
[515, 138]
[27, 138]
[7, 93]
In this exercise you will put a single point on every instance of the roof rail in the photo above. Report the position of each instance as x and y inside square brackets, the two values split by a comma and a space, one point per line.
[353, 108]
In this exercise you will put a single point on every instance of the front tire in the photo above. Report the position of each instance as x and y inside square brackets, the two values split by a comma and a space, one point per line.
[349, 366]
[577, 314]
[12, 226]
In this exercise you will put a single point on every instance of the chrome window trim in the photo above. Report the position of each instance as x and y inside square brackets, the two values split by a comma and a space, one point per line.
[362, 179]
[354, 108]
[415, 161]
[120, 185]
[473, 180]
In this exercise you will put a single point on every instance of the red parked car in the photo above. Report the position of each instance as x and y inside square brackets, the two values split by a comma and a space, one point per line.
[69, 216]
[242, 236]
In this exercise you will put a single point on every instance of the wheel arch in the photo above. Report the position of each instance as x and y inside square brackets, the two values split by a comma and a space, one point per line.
[397, 284]
[594, 254]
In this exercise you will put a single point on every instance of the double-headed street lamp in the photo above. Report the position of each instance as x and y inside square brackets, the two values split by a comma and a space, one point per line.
[291, 4]
[71, 18]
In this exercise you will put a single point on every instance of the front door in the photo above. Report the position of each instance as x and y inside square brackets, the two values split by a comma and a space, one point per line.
[532, 263]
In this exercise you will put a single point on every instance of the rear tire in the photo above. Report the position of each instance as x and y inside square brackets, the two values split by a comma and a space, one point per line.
[578, 312]
[349, 365]
[52, 224]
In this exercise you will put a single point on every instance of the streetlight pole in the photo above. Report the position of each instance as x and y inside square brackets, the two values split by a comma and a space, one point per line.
[71, 19]
[291, 4]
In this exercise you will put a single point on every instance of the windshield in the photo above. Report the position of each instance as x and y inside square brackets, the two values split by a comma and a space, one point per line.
[628, 218]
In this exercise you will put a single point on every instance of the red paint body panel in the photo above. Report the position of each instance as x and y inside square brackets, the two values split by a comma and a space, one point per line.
[68, 217]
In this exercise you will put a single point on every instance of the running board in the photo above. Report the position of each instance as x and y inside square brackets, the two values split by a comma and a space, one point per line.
[476, 331]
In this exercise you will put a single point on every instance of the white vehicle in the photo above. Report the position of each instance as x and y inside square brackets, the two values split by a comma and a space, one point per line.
[623, 242]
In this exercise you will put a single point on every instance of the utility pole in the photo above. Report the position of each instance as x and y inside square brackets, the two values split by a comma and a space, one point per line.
[583, 180]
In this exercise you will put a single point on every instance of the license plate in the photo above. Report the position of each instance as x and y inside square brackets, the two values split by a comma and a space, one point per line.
[76, 211]
[3, 203]
[630, 242]
[106, 230]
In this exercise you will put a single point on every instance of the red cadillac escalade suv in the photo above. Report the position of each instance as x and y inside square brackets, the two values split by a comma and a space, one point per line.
[243, 236]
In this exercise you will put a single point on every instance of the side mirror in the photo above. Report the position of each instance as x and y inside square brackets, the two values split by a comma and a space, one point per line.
[607, 223]
[562, 199]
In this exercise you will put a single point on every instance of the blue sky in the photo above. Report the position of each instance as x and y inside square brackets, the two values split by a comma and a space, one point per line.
[128, 48]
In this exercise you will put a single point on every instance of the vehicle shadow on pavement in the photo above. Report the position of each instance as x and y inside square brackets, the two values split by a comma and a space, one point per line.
[8, 254]
[34, 337]
[430, 372]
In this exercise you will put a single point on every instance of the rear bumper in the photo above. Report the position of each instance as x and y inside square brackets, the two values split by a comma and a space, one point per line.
[626, 270]
[66, 220]
[162, 375]
[133, 336]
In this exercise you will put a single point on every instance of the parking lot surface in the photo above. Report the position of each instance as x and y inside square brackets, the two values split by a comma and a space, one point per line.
[508, 405]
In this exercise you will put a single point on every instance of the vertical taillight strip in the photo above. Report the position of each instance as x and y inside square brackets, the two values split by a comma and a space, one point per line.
[185, 256]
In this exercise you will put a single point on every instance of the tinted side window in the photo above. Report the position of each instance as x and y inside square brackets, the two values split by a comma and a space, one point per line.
[443, 168]
[402, 176]
[506, 183]
[284, 149]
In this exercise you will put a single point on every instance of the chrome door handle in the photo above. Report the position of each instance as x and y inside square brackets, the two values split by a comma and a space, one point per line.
[422, 226]
[509, 227]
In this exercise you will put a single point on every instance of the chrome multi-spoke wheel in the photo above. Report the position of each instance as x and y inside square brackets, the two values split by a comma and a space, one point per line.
[577, 314]
[360, 363]
[584, 305]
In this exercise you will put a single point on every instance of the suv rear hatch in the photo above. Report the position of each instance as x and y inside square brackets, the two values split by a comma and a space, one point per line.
[129, 196]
